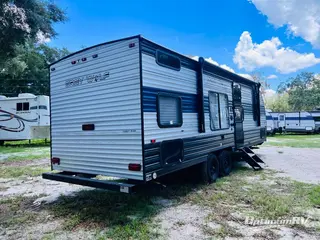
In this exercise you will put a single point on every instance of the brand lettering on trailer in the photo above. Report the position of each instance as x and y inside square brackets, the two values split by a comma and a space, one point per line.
[91, 78]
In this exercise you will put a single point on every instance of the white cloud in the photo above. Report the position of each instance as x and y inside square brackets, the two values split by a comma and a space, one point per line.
[301, 17]
[224, 66]
[227, 68]
[272, 76]
[269, 93]
[210, 60]
[41, 38]
[269, 53]
[245, 75]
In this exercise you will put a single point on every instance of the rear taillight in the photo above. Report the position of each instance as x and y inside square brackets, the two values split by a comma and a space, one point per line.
[55, 160]
[134, 167]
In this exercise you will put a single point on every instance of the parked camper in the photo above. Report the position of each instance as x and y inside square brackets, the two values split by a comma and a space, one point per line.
[316, 117]
[24, 117]
[272, 125]
[135, 110]
[299, 122]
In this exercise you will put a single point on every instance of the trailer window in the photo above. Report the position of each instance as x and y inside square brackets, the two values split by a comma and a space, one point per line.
[214, 110]
[167, 60]
[169, 112]
[237, 92]
[239, 114]
[39, 107]
[22, 106]
[224, 111]
[219, 112]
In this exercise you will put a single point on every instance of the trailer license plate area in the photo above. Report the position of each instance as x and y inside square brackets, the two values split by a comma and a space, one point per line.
[124, 189]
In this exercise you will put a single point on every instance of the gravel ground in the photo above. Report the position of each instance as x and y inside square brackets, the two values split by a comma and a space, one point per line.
[301, 164]
[176, 221]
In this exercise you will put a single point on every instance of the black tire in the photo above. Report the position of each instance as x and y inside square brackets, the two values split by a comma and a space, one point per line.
[225, 163]
[1, 142]
[210, 169]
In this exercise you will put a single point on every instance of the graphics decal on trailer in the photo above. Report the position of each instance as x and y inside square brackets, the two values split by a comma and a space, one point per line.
[8, 116]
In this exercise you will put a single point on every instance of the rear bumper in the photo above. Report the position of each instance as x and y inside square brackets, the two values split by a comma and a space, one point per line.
[109, 185]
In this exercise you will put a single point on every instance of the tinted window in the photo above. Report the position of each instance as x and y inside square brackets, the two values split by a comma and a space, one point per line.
[239, 116]
[25, 106]
[169, 111]
[22, 106]
[19, 107]
[214, 110]
[224, 111]
[219, 111]
[167, 60]
[237, 92]
[39, 107]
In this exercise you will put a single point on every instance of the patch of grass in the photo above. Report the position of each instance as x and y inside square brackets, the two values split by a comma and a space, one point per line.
[314, 196]
[258, 194]
[223, 231]
[291, 140]
[25, 143]
[124, 216]
[23, 157]
[14, 171]
[15, 211]
[4, 150]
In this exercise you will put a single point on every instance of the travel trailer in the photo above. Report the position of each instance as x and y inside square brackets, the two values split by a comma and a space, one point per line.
[316, 117]
[135, 110]
[272, 125]
[298, 122]
[24, 117]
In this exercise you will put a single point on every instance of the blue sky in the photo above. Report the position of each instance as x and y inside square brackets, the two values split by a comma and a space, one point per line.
[201, 28]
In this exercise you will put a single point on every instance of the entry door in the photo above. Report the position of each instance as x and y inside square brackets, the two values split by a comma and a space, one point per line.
[282, 120]
[238, 114]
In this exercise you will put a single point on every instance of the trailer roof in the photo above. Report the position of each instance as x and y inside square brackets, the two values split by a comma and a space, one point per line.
[216, 69]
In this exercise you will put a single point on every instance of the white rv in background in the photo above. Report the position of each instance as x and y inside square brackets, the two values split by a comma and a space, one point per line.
[316, 117]
[24, 117]
[272, 125]
[298, 122]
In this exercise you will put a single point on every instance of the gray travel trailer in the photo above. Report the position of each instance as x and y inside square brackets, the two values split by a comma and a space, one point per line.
[135, 110]
[295, 122]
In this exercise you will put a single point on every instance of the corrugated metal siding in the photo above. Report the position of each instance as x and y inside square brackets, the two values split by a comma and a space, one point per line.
[250, 128]
[112, 104]
[184, 81]
[211, 83]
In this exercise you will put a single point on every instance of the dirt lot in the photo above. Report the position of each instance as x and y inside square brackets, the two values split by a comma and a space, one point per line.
[33, 208]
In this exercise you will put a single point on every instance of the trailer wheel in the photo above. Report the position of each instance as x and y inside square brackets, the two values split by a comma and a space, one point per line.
[1, 142]
[210, 169]
[225, 163]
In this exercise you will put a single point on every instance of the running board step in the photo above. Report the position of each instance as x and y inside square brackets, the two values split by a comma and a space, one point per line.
[251, 158]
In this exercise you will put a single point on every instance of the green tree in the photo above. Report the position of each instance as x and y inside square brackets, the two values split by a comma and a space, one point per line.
[303, 91]
[278, 102]
[28, 70]
[26, 20]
